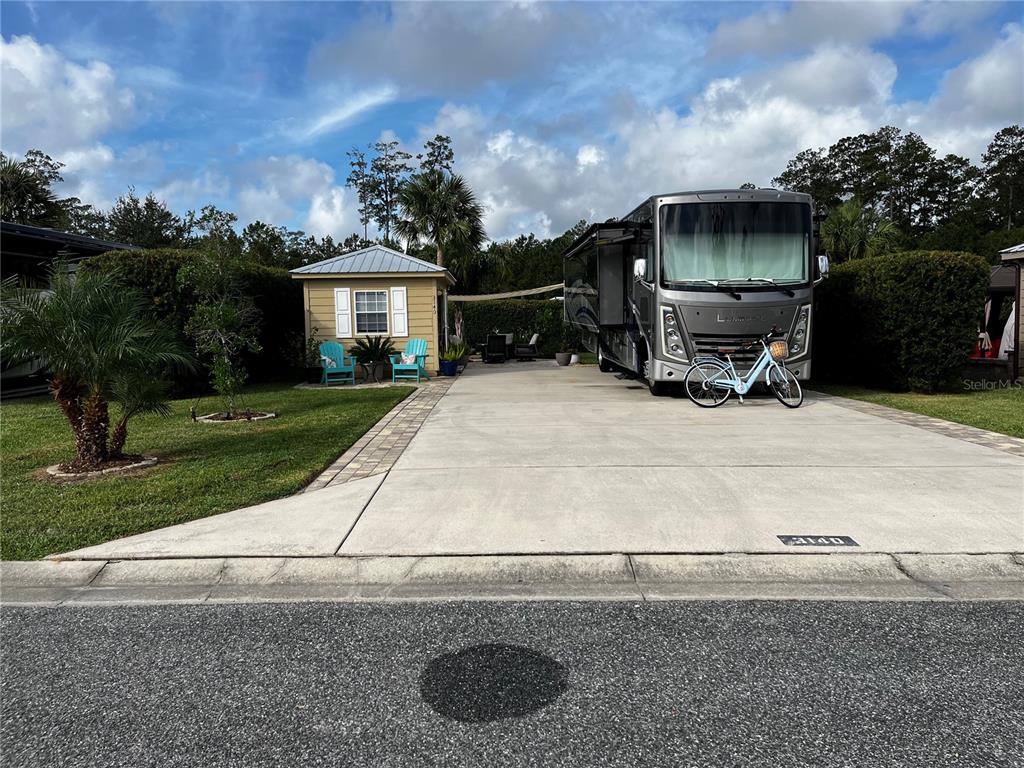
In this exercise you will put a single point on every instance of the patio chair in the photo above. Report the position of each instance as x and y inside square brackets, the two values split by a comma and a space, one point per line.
[496, 349]
[416, 353]
[338, 367]
[528, 351]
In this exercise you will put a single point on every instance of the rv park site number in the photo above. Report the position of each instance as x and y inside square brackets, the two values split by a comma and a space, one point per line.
[818, 541]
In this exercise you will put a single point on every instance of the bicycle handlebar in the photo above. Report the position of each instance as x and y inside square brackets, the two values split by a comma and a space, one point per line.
[775, 331]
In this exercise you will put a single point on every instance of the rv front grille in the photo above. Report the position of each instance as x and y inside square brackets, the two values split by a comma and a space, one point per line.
[708, 344]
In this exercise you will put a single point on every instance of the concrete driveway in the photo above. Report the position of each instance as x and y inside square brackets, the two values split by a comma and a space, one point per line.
[532, 458]
[529, 458]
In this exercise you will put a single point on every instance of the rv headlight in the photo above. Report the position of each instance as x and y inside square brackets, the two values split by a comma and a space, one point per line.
[800, 330]
[672, 333]
[670, 319]
[676, 348]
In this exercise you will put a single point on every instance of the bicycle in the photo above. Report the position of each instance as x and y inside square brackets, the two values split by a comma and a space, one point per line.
[709, 381]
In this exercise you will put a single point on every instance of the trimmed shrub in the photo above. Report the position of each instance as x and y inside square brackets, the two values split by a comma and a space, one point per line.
[900, 321]
[523, 317]
[281, 325]
[154, 273]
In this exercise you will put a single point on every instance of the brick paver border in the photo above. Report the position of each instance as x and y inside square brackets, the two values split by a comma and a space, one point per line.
[378, 450]
[994, 440]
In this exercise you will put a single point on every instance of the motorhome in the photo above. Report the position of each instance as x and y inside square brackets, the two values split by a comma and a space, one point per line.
[688, 273]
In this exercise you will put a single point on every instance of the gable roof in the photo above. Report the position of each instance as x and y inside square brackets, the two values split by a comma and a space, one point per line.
[375, 260]
[1013, 253]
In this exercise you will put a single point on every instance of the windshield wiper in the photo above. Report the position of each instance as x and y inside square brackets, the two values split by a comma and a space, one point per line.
[788, 291]
[718, 285]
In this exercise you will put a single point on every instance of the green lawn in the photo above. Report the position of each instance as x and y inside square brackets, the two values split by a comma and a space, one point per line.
[204, 469]
[998, 410]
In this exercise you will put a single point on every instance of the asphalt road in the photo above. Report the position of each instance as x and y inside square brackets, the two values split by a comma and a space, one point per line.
[515, 684]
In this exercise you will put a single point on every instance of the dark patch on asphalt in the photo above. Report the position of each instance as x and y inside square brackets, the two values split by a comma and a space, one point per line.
[491, 682]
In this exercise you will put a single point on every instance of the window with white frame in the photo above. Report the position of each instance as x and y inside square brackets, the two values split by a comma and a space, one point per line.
[371, 312]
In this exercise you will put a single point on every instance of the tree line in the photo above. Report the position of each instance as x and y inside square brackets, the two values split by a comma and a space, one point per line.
[878, 191]
[890, 190]
[430, 208]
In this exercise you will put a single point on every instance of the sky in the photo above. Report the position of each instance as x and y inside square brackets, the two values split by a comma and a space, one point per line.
[557, 111]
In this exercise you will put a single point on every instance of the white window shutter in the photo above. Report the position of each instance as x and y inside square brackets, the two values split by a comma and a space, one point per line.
[399, 312]
[342, 313]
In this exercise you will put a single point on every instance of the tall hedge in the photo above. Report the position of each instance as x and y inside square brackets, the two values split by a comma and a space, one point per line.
[902, 321]
[154, 273]
[523, 317]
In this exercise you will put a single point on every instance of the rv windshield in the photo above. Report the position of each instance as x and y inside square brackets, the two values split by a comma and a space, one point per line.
[737, 242]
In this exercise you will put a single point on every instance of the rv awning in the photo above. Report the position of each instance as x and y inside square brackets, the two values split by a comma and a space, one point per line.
[508, 294]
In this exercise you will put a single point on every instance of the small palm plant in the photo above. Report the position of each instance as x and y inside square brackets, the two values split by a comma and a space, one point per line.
[136, 392]
[90, 332]
[372, 349]
[371, 352]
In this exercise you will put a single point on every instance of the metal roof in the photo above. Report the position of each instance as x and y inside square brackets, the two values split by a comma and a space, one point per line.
[1014, 249]
[375, 259]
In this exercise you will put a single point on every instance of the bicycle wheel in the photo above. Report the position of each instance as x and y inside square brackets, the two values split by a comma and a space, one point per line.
[784, 385]
[700, 384]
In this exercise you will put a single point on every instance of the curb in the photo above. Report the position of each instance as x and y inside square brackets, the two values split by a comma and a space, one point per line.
[728, 576]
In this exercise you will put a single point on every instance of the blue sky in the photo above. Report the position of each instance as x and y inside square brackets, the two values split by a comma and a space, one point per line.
[557, 111]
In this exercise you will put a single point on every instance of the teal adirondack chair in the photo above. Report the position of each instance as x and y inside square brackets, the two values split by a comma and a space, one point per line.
[336, 364]
[400, 370]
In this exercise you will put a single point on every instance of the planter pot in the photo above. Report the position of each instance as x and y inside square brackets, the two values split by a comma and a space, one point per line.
[449, 367]
[563, 358]
[373, 371]
[314, 375]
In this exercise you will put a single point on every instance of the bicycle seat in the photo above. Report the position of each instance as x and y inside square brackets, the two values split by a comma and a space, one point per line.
[728, 350]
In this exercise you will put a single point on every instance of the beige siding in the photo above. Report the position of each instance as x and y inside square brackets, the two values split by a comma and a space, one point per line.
[421, 295]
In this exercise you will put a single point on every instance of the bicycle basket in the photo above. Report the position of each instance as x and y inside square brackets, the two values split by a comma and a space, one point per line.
[779, 350]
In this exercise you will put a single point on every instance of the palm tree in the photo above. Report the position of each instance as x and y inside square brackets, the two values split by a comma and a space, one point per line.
[90, 332]
[440, 209]
[853, 231]
[25, 197]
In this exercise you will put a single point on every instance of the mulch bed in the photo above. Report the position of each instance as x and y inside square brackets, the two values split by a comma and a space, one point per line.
[247, 415]
[78, 470]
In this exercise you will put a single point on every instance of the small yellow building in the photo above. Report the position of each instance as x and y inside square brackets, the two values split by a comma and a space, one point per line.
[376, 291]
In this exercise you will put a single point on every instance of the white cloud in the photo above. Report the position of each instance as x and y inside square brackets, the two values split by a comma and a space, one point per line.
[444, 47]
[736, 129]
[936, 18]
[329, 214]
[53, 103]
[345, 112]
[802, 25]
[588, 155]
[974, 100]
[833, 76]
[989, 88]
[193, 192]
[281, 190]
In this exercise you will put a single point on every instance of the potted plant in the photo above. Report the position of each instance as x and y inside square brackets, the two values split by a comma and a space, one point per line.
[564, 355]
[451, 358]
[371, 352]
[311, 358]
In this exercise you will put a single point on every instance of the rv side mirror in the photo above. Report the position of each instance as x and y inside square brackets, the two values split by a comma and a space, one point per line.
[640, 269]
[823, 265]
